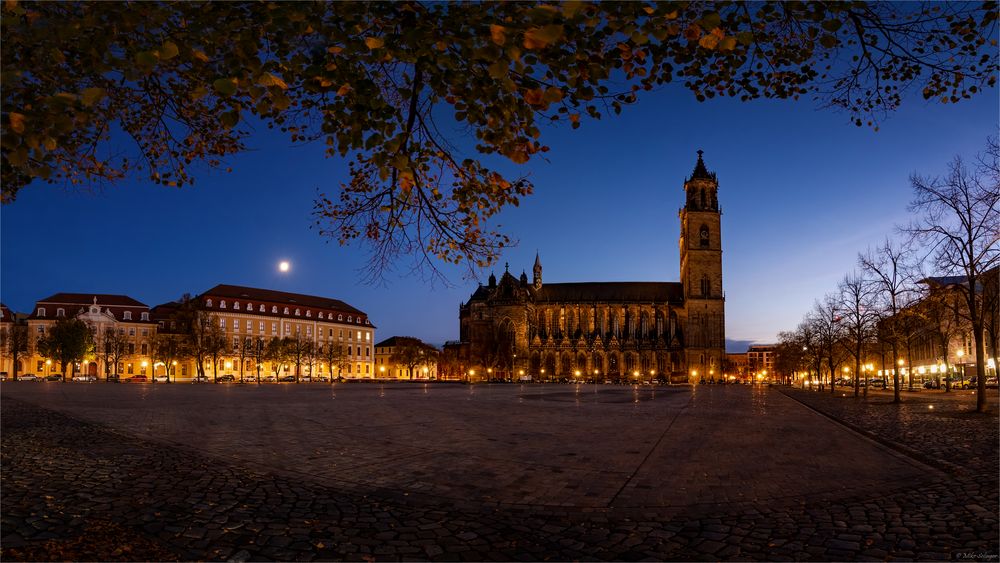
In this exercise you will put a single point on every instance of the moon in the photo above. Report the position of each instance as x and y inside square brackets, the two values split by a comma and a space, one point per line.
[284, 266]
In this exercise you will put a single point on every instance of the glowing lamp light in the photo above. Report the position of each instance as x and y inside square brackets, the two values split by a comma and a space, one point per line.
[144, 363]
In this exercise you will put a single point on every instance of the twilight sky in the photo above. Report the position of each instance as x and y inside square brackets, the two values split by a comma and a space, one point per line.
[802, 192]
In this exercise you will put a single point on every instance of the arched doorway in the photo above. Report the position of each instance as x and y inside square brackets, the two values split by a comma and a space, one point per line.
[550, 366]
[92, 369]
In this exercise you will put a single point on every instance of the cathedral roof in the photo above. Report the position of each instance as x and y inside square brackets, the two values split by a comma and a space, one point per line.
[611, 291]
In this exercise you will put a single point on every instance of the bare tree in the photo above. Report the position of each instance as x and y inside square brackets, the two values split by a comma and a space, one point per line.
[333, 354]
[116, 348]
[15, 344]
[825, 320]
[277, 352]
[888, 267]
[166, 348]
[245, 351]
[856, 307]
[960, 224]
[298, 350]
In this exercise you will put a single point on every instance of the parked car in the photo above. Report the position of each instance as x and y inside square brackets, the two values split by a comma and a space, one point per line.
[53, 377]
[269, 378]
[931, 384]
[991, 383]
[200, 379]
[136, 379]
[227, 378]
[161, 379]
[288, 378]
[27, 377]
[84, 378]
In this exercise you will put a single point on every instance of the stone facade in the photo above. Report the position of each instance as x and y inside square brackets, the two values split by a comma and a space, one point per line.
[619, 331]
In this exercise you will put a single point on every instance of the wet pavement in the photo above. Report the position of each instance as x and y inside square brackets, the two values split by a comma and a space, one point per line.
[449, 472]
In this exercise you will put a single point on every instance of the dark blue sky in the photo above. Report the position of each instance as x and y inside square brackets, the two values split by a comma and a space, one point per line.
[802, 190]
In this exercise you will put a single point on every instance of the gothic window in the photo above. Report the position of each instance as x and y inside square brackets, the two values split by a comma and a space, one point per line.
[703, 236]
[705, 287]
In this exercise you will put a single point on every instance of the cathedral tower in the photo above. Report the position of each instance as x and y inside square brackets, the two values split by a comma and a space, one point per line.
[701, 274]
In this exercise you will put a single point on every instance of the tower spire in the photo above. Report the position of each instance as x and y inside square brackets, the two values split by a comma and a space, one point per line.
[699, 169]
[537, 272]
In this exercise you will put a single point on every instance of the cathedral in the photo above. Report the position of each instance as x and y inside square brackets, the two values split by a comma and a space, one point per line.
[617, 331]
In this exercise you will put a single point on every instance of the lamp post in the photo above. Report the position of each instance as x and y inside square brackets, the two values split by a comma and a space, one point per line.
[959, 366]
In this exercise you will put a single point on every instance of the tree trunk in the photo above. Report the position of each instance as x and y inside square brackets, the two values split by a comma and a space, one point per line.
[977, 335]
[895, 373]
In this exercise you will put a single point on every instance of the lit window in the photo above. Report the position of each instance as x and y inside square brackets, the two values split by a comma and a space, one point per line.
[262, 308]
[359, 336]
[309, 313]
[368, 336]
[261, 327]
[236, 305]
[286, 310]
[222, 304]
[250, 326]
[274, 308]
[222, 323]
[297, 313]
[309, 331]
[236, 325]
[321, 314]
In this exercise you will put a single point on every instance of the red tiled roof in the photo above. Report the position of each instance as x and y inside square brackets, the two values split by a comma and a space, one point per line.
[6, 315]
[74, 302]
[282, 298]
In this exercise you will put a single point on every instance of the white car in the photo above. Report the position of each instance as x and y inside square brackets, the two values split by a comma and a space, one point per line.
[84, 378]
[28, 377]
[161, 379]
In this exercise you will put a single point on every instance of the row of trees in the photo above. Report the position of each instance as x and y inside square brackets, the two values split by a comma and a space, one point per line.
[881, 308]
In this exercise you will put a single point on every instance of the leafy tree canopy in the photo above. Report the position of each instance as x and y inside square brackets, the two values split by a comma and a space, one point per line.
[372, 80]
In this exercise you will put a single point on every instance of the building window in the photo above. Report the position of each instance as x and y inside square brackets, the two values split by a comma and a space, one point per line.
[274, 309]
[143, 349]
[131, 348]
[129, 369]
[321, 314]
[60, 312]
[339, 317]
[222, 304]
[274, 328]
[41, 311]
[208, 302]
[160, 324]
[236, 325]
[359, 336]
[41, 330]
[261, 327]
[368, 336]
[309, 331]
[41, 365]
[349, 319]
[309, 313]
[236, 305]
[143, 316]
[705, 287]
[250, 327]
[131, 332]
[127, 315]
[286, 311]
[145, 332]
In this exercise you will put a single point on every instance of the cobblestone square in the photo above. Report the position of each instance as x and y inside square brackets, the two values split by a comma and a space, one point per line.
[492, 472]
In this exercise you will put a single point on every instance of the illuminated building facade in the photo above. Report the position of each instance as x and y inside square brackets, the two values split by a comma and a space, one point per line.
[619, 331]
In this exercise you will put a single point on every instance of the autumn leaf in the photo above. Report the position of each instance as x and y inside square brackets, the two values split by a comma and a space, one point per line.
[225, 86]
[541, 37]
[168, 50]
[374, 42]
[692, 33]
[498, 34]
[17, 122]
[534, 97]
[268, 79]
[91, 96]
[343, 90]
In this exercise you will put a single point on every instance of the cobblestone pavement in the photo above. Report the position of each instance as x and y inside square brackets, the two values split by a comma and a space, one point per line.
[63, 471]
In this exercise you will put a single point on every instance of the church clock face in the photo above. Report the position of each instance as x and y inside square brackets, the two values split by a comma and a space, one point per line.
[704, 233]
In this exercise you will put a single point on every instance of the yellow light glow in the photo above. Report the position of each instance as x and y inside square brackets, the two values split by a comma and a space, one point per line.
[960, 353]
[174, 362]
[48, 362]
[144, 363]
[577, 373]
[520, 372]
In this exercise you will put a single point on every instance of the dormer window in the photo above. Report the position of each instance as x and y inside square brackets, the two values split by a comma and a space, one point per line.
[60, 312]
[144, 316]
[222, 304]
[297, 313]
[340, 317]
[309, 313]
[41, 311]
[349, 319]
[321, 314]
[127, 315]
[274, 308]
[236, 305]
[286, 310]
[367, 322]
[208, 302]
[262, 308]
